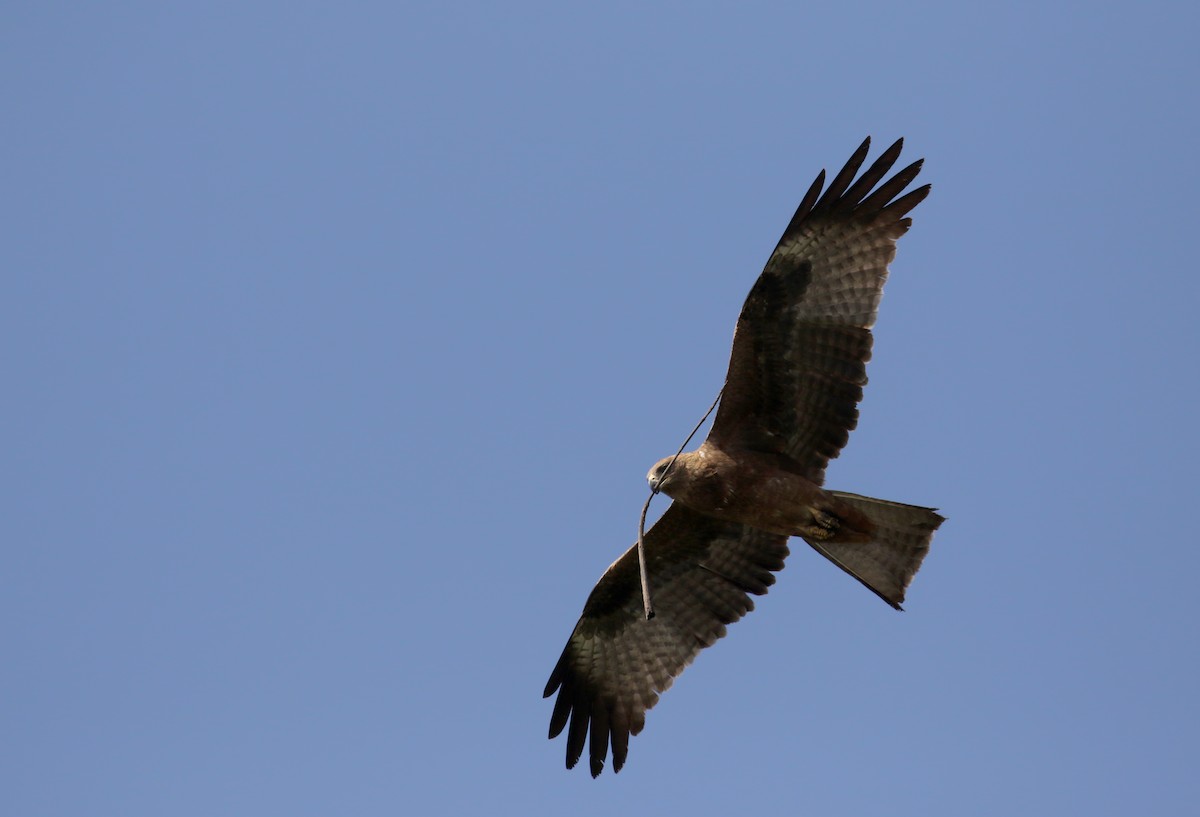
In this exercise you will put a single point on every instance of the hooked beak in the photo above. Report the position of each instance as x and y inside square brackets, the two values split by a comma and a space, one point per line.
[658, 477]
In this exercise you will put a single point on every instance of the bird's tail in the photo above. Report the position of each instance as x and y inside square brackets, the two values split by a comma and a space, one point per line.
[899, 539]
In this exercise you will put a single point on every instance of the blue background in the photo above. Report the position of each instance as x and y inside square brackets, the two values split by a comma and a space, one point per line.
[336, 341]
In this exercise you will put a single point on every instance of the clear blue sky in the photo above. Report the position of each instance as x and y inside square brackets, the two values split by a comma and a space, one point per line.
[336, 341]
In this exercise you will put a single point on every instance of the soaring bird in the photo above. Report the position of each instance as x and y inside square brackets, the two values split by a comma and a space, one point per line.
[796, 374]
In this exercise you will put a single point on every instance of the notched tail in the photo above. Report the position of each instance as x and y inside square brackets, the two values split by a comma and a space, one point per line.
[899, 537]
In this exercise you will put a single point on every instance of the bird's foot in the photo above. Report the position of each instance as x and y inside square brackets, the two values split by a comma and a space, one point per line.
[824, 525]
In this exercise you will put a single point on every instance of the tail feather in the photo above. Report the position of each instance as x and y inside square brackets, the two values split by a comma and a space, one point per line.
[898, 543]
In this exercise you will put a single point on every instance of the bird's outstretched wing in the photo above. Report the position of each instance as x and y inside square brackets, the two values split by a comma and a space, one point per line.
[616, 663]
[803, 339]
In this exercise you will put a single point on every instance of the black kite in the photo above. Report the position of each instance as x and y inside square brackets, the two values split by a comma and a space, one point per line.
[796, 374]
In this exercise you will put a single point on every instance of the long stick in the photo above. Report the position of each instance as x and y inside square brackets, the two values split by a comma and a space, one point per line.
[647, 603]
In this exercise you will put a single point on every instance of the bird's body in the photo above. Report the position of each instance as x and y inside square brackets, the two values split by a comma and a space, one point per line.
[796, 373]
[757, 489]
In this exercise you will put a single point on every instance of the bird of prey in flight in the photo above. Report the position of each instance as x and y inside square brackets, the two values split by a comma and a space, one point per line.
[796, 374]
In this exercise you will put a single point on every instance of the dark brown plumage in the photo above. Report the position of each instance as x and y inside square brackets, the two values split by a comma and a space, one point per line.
[796, 373]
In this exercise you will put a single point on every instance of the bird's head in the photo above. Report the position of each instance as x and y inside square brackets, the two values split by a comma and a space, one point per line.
[660, 477]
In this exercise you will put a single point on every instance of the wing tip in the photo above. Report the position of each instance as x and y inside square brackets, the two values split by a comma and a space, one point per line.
[846, 194]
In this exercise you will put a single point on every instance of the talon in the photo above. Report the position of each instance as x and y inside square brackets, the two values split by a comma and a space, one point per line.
[824, 524]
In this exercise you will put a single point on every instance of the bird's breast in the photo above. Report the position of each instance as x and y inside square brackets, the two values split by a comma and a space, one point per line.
[749, 490]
